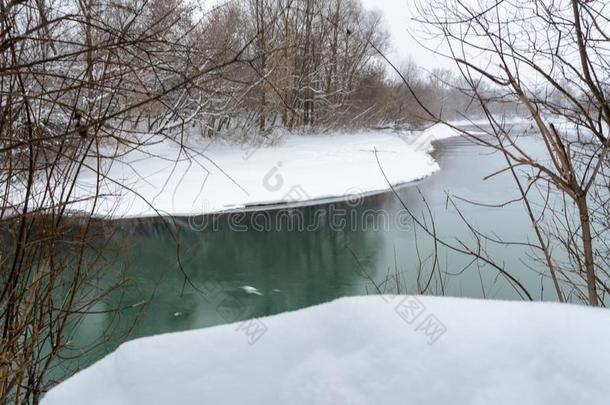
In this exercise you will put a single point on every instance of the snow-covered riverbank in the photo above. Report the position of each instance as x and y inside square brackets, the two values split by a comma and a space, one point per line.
[164, 178]
[377, 349]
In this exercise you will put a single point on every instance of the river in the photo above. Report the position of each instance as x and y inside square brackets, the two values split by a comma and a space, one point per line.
[181, 273]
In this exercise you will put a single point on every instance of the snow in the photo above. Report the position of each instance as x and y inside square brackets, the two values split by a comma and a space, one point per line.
[363, 350]
[438, 131]
[166, 178]
[251, 290]
[506, 120]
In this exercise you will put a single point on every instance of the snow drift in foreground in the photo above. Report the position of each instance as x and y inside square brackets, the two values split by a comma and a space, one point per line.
[164, 179]
[376, 349]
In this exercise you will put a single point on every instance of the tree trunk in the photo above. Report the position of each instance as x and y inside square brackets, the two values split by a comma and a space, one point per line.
[260, 21]
[583, 211]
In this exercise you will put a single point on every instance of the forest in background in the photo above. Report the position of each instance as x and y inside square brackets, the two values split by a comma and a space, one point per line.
[107, 68]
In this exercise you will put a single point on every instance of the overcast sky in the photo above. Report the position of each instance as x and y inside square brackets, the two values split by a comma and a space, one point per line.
[398, 15]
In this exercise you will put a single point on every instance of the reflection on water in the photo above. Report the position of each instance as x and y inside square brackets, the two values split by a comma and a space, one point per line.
[192, 274]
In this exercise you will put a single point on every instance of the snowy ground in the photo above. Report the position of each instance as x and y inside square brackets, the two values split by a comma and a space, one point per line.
[165, 179]
[378, 349]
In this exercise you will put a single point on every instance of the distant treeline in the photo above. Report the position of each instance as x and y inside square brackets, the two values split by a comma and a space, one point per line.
[102, 68]
[318, 63]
